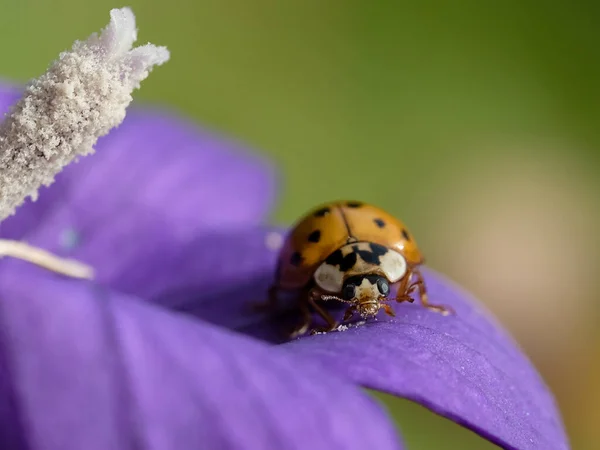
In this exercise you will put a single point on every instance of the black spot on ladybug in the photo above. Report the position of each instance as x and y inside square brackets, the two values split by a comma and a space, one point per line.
[354, 204]
[358, 279]
[315, 236]
[405, 234]
[344, 263]
[379, 222]
[348, 262]
[369, 257]
[322, 212]
[379, 250]
[335, 259]
[373, 256]
[296, 259]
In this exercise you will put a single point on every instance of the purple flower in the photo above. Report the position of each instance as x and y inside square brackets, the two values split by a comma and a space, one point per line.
[161, 351]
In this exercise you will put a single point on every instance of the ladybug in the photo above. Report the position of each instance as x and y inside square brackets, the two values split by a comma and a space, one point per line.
[350, 252]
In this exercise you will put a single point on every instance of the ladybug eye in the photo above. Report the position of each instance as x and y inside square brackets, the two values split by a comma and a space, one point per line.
[348, 292]
[383, 286]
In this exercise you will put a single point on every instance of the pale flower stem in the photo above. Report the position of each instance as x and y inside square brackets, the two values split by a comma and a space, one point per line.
[81, 97]
[42, 258]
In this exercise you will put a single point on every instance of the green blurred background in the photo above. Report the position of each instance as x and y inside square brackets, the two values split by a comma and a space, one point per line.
[476, 122]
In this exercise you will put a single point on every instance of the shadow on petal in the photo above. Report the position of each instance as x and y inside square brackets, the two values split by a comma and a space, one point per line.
[230, 307]
[217, 275]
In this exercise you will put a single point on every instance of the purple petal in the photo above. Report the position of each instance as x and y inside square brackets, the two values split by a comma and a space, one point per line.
[217, 277]
[156, 173]
[464, 367]
[84, 367]
[217, 274]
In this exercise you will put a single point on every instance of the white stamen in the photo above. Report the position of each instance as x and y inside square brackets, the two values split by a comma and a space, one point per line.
[63, 113]
[61, 116]
[274, 241]
[42, 258]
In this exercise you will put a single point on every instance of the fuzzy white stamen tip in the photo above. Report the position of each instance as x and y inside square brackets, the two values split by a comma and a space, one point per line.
[62, 114]
[120, 34]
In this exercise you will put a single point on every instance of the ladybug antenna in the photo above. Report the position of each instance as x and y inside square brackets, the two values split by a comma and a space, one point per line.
[333, 297]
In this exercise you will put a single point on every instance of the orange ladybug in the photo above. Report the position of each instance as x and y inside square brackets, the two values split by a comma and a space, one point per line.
[350, 252]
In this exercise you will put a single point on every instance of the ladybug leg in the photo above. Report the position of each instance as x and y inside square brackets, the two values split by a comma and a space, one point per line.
[331, 323]
[419, 284]
[403, 294]
[349, 312]
[306, 321]
[388, 310]
[404, 298]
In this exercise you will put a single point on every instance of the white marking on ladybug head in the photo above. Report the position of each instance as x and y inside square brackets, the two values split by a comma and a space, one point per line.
[274, 241]
[367, 294]
[329, 278]
[393, 266]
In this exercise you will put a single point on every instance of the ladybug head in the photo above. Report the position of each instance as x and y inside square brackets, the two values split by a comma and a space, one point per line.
[366, 292]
